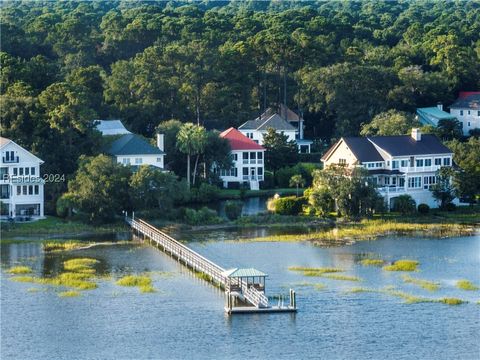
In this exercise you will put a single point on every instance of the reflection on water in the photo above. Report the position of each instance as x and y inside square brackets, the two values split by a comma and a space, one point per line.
[185, 319]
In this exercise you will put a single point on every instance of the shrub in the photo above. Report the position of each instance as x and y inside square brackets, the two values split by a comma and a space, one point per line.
[268, 180]
[404, 204]
[233, 209]
[402, 265]
[423, 208]
[450, 207]
[203, 216]
[204, 193]
[283, 175]
[290, 205]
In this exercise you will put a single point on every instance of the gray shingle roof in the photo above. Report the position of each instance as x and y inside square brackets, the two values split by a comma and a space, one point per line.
[274, 121]
[468, 102]
[132, 144]
[111, 127]
[405, 145]
[363, 149]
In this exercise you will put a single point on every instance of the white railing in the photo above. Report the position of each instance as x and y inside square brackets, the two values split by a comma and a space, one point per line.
[410, 169]
[391, 189]
[254, 296]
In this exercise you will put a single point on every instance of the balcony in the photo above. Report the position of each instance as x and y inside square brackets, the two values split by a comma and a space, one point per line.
[391, 189]
[10, 160]
[414, 169]
[252, 178]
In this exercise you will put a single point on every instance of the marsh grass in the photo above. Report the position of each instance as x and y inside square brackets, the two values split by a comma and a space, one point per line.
[34, 290]
[451, 301]
[314, 271]
[409, 298]
[372, 262]
[341, 277]
[427, 285]
[81, 265]
[51, 246]
[402, 265]
[466, 285]
[142, 282]
[69, 293]
[360, 290]
[19, 270]
[29, 279]
[203, 276]
[371, 229]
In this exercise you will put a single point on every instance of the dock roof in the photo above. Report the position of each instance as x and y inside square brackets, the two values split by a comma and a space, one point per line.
[246, 272]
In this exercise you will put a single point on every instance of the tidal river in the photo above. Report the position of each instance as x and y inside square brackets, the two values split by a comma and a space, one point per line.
[184, 318]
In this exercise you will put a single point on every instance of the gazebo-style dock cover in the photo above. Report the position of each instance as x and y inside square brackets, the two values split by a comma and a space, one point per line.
[250, 276]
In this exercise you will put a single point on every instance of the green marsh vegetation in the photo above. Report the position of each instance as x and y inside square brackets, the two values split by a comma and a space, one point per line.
[466, 285]
[142, 282]
[425, 284]
[402, 265]
[19, 270]
[326, 272]
[69, 293]
[372, 262]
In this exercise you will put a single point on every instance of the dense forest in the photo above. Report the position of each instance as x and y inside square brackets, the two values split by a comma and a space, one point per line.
[222, 63]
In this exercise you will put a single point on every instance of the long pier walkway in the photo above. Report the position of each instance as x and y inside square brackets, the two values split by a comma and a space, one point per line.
[244, 288]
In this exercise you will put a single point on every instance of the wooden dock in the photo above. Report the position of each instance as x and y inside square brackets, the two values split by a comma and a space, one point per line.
[244, 288]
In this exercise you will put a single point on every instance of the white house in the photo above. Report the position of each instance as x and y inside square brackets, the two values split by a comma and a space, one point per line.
[404, 164]
[21, 186]
[432, 115]
[248, 160]
[131, 149]
[467, 110]
[284, 121]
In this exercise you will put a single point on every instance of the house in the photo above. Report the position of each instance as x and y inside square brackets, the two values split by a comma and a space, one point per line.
[131, 149]
[111, 127]
[467, 110]
[432, 115]
[398, 165]
[248, 161]
[21, 186]
[284, 121]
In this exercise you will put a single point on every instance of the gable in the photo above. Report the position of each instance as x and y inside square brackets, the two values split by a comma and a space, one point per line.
[23, 154]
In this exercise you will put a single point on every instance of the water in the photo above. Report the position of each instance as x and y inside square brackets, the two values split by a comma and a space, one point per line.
[185, 319]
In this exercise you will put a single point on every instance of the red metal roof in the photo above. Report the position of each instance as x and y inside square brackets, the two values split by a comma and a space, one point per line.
[238, 141]
[464, 94]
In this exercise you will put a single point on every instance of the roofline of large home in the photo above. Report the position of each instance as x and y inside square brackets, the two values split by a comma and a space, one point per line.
[10, 140]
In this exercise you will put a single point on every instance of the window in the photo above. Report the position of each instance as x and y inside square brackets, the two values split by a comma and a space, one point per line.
[388, 163]
[260, 171]
[30, 189]
[401, 182]
[343, 161]
[428, 162]
[419, 162]
[32, 171]
[253, 156]
[468, 112]
[159, 160]
[235, 157]
[245, 171]
[387, 181]
[394, 181]
[138, 161]
[404, 163]
[468, 124]
[395, 164]
[19, 190]
[21, 171]
[428, 181]
[245, 156]
[260, 155]
[24, 189]
[446, 161]
[478, 113]
[379, 164]
[438, 161]
[370, 165]
[415, 182]
[15, 171]
[27, 171]
[36, 189]
[461, 112]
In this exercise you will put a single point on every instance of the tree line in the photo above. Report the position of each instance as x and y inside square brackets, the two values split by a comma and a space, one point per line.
[219, 64]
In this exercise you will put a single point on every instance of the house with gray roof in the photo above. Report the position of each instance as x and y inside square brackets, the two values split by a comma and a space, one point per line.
[398, 165]
[283, 121]
[467, 110]
[133, 150]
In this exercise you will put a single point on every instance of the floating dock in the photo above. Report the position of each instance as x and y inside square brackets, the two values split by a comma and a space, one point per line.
[244, 287]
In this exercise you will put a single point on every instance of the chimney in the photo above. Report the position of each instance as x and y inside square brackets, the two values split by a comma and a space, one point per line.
[440, 106]
[160, 142]
[416, 134]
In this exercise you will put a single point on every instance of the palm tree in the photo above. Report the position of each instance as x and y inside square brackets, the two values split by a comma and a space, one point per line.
[297, 180]
[191, 140]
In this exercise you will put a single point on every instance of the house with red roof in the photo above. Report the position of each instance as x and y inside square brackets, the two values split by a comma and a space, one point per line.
[248, 161]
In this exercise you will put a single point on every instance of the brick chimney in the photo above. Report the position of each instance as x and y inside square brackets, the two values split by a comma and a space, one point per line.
[160, 141]
[416, 134]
